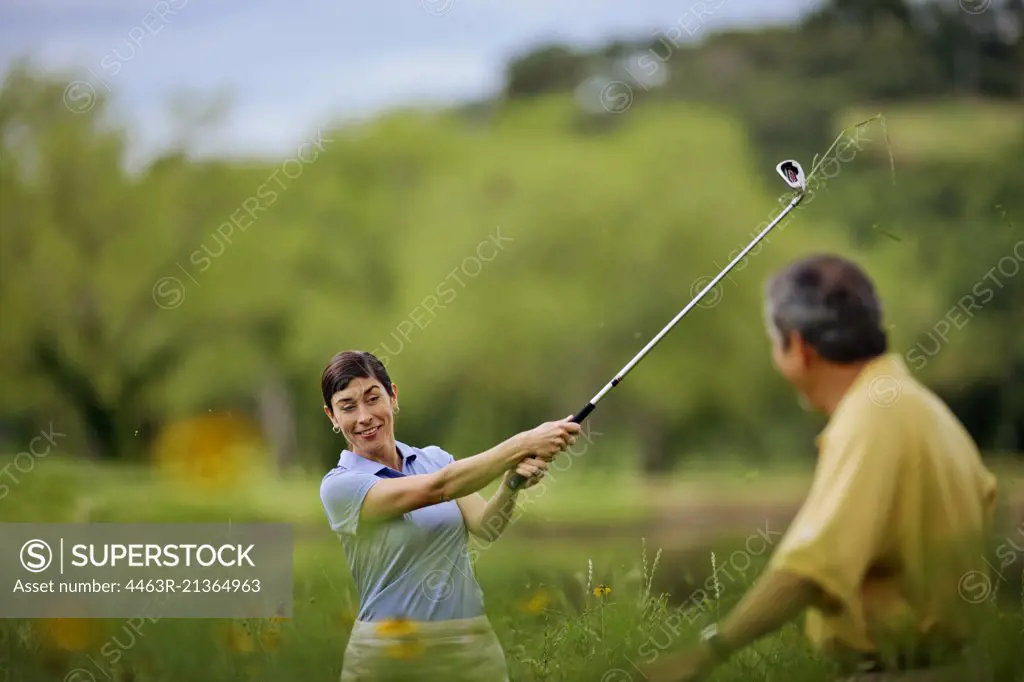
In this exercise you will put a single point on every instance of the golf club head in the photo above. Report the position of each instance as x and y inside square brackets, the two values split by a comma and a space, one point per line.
[793, 174]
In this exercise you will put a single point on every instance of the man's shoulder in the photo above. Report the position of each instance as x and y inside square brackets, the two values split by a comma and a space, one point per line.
[891, 400]
[892, 412]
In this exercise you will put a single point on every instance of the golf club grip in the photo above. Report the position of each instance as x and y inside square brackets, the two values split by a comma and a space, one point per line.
[516, 481]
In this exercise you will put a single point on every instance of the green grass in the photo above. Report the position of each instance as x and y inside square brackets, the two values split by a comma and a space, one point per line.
[94, 492]
[575, 636]
[75, 491]
[103, 493]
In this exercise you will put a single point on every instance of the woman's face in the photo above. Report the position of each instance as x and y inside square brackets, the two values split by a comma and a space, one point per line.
[365, 414]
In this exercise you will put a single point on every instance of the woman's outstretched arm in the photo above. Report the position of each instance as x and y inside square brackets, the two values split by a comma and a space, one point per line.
[391, 497]
[487, 519]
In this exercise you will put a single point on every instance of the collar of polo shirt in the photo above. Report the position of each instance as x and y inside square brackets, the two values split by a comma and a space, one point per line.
[354, 462]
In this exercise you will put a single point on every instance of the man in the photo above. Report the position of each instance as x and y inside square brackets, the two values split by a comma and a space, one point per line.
[898, 509]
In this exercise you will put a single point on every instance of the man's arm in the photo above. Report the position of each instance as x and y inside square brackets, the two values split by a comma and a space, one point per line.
[778, 597]
[774, 600]
[831, 542]
[828, 547]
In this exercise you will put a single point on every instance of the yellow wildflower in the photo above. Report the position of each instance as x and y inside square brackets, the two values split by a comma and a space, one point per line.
[602, 591]
[238, 639]
[69, 634]
[215, 450]
[396, 627]
[279, 615]
[537, 602]
[270, 638]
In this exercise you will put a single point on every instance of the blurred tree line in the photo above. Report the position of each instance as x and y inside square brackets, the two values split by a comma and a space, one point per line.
[507, 258]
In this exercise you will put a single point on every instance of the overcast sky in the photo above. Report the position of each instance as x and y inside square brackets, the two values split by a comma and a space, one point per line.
[292, 64]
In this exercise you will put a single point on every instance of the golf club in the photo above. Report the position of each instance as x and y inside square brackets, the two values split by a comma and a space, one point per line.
[793, 174]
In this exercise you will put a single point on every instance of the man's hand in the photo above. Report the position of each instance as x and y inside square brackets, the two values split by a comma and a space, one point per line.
[691, 665]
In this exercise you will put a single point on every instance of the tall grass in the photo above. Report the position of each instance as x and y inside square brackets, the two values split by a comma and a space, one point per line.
[600, 620]
[567, 609]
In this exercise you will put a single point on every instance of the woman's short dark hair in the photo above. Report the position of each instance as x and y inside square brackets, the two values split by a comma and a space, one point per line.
[349, 365]
[832, 304]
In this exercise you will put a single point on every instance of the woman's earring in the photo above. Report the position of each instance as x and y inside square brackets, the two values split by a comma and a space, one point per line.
[396, 409]
[337, 429]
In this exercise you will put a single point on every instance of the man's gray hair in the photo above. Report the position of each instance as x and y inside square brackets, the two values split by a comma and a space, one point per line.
[831, 303]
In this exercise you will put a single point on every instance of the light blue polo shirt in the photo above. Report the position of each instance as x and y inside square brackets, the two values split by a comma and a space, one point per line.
[414, 567]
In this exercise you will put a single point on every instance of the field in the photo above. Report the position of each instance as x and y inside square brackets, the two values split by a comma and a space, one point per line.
[651, 545]
[948, 131]
[194, 259]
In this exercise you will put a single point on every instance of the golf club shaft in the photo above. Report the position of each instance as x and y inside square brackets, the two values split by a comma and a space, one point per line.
[516, 480]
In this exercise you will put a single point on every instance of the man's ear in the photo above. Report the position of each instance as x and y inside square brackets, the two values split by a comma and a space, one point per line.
[804, 351]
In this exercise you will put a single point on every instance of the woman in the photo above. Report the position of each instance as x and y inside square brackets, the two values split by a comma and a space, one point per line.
[403, 515]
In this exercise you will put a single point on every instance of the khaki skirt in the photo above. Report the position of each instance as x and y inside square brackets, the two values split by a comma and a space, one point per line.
[450, 650]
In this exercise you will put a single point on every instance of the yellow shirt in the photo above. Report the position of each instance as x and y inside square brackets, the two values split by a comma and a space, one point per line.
[896, 517]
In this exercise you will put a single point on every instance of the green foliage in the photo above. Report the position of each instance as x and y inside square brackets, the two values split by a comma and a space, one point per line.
[504, 267]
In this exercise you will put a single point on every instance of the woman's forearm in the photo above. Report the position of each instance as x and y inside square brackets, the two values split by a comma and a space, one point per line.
[498, 513]
[466, 476]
